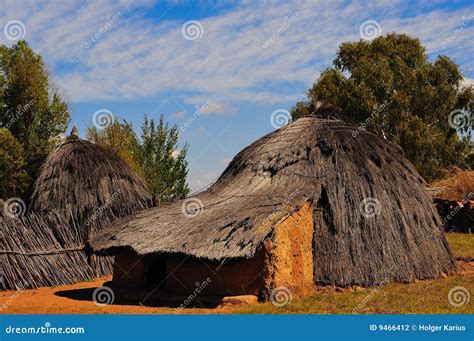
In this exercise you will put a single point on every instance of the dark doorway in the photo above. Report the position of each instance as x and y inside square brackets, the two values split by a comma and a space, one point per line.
[155, 275]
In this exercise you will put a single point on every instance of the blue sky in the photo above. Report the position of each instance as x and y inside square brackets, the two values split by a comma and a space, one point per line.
[241, 60]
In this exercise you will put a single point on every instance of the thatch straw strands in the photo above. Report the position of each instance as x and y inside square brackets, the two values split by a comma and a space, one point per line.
[80, 188]
[90, 182]
[41, 251]
[316, 160]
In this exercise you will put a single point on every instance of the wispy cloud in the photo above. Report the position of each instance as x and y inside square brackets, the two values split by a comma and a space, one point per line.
[178, 115]
[250, 59]
[134, 55]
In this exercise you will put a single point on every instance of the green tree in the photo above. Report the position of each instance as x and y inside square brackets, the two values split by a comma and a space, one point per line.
[120, 139]
[156, 156]
[14, 179]
[390, 87]
[31, 108]
[164, 165]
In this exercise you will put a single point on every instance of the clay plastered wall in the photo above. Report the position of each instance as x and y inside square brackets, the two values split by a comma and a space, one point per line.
[239, 277]
[285, 260]
[289, 258]
[128, 270]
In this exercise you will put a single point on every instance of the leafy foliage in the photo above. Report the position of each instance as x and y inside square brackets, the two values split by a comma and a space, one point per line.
[391, 87]
[30, 108]
[164, 165]
[14, 179]
[155, 156]
[120, 139]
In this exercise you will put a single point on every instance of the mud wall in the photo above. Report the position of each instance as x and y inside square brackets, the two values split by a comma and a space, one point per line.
[289, 252]
[285, 259]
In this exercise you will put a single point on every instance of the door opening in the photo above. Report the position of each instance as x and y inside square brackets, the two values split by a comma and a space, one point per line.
[156, 274]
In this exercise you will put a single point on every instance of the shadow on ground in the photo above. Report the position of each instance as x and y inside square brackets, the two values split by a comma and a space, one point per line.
[158, 299]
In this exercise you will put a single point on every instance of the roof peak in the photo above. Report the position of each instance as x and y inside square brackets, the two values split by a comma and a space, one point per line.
[74, 134]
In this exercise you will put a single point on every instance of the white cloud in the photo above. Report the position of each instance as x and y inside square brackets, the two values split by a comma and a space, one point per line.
[214, 108]
[175, 153]
[225, 162]
[202, 180]
[468, 82]
[139, 57]
[178, 115]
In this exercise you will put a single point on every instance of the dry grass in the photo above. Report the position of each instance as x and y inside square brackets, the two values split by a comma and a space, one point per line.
[424, 297]
[462, 245]
[456, 187]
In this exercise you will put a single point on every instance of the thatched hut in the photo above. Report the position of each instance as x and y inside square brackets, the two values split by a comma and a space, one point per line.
[90, 187]
[88, 181]
[309, 203]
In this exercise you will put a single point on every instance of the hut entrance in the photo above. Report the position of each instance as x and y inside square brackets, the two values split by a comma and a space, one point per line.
[155, 274]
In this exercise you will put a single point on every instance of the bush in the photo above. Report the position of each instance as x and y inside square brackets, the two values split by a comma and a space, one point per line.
[457, 187]
[13, 178]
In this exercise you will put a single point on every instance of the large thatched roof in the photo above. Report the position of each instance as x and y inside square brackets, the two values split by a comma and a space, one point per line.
[86, 180]
[316, 160]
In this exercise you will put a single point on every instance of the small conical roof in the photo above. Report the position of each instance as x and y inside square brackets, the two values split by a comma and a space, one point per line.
[74, 133]
[83, 178]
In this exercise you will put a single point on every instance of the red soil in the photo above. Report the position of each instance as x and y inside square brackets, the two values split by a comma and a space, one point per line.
[77, 299]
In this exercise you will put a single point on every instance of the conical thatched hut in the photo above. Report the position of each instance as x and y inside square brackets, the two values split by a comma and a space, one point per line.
[308, 203]
[88, 181]
[90, 187]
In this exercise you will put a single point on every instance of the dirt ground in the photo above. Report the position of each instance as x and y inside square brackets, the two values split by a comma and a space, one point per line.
[77, 299]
